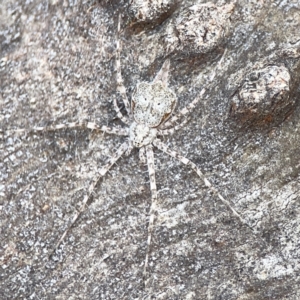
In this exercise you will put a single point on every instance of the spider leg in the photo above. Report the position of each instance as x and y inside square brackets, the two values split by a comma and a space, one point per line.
[163, 73]
[173, 129]
[151, 170]
[120, 83]
[122, 149]
[84, 125]
[172, 121]
[119, 113]
[142, 155]
[160, 145]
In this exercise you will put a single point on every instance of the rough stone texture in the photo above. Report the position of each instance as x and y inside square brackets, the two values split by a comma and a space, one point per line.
[199, 28]
[263, 96]
[58, 65]
[150, 13]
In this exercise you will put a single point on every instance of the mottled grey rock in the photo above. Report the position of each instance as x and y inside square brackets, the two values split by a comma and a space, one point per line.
[150, 13]
[199, 28]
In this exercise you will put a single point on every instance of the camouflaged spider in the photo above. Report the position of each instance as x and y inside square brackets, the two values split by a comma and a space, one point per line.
[148, 116]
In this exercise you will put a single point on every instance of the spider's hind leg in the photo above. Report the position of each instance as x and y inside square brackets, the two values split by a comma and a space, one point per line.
[142, 156]
[157, 143]
[186, 110]
[160, 145]
[153, 208]
[122, 149]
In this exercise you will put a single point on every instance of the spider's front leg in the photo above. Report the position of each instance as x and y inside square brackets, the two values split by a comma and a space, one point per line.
[171, 130]
[120, 83]
[170, 124]
[80, 124]
[174, 119]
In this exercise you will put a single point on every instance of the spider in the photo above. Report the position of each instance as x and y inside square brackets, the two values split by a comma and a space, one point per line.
[149, 115]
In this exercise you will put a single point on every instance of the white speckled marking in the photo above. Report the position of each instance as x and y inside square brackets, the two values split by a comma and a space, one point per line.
[152, 104]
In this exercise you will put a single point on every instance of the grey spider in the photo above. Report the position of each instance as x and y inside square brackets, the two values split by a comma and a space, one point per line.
[149, 115]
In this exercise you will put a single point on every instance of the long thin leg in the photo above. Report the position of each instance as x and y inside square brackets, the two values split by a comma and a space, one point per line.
[84, 125]
[157, 143]
[163, 73]
[173, 129]
[120, 83]
[192, 105]
[122, 149]
[151, 170]
[142, 155]
[119, 113]
[183, 112]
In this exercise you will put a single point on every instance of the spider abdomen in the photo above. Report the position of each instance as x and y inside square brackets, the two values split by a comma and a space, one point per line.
[152, 103]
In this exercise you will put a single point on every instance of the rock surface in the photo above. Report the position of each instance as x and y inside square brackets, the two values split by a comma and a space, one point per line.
[57, 65]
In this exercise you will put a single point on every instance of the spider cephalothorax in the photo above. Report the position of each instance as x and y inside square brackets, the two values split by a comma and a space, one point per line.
[141, 135]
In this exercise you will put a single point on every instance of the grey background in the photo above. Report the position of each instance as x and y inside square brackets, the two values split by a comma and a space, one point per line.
[58, 65]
